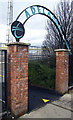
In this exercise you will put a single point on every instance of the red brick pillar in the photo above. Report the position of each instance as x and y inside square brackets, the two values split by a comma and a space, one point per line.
[62, 59]
[18, 78]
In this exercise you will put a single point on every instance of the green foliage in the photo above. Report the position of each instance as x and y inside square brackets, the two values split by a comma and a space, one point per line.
[41, 73]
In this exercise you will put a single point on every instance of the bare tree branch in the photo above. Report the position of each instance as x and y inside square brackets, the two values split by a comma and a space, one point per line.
[64, 14]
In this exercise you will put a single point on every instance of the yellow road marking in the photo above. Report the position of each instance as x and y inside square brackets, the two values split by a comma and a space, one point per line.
[5, 48]
[45, 100]
[1, 76]
[39, 48]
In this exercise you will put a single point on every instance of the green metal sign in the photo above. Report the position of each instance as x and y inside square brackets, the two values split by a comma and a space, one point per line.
[38, 9]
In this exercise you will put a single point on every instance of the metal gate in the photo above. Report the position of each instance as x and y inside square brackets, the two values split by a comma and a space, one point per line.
[3, 82]
[41, 67]
[70, 70]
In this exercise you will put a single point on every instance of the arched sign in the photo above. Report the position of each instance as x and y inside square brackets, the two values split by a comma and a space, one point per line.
[33, 10]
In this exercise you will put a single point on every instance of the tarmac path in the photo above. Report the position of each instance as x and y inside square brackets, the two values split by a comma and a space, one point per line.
[58, 107]
[36, 94]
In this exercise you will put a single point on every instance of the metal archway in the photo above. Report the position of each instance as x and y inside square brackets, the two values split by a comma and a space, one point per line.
[16, 27]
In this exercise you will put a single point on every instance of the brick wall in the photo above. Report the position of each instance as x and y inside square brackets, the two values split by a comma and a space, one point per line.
[62, 63]
[18, 78]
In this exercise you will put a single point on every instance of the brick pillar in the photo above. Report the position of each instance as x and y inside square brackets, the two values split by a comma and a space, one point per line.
[18, 78]
[62, 59]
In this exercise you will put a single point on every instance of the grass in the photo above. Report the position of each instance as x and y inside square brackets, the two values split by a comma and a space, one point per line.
[42, 73]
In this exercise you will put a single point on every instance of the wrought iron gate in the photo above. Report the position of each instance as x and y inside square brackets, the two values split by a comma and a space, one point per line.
[41, 67]
[3, 81]
[70, 70]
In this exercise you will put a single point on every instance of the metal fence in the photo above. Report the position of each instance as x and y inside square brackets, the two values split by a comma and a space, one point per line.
[71, 70]
[3, 46]
[41, 67]
[38, 53]
[38, 57]
[3, 81]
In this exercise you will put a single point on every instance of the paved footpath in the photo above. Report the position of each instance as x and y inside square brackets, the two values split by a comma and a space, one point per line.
[58, 106]
[61, 108]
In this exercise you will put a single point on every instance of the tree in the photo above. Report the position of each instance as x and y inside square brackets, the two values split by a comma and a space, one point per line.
[53, 40]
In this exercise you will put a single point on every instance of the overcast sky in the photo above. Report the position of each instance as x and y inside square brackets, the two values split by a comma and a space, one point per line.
[35, 27]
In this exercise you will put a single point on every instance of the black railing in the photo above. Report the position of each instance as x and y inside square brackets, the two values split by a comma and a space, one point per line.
[38, 53]
[3, 81]
[41, 67]
[71, 70]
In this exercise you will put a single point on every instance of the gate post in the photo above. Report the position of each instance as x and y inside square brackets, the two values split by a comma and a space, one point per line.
[18, 78]
[62, 68]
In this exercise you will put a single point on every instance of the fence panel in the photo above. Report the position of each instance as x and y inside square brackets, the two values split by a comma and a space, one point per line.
[71, 70]
[3, 81]
[41, 67]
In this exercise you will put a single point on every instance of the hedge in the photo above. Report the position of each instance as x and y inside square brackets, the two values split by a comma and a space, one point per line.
[42, 73]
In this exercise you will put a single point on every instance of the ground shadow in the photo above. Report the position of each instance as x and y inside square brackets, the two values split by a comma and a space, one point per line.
[36, 94]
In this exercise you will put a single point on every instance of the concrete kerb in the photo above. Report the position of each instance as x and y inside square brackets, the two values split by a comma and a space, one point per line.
[64, 104]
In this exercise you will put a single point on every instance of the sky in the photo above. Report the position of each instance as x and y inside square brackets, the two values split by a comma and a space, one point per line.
[35, 27]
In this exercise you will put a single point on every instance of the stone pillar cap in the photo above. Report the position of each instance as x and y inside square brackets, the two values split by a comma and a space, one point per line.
[18, 43]
[60, 50]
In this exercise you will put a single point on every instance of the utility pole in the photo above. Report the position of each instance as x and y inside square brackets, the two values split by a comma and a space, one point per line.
[9, 20]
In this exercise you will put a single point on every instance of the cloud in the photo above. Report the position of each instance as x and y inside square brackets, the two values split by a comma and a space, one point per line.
[30, 33]
[3, 29]
[38, 42]
[34, 36]
[35, 27]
